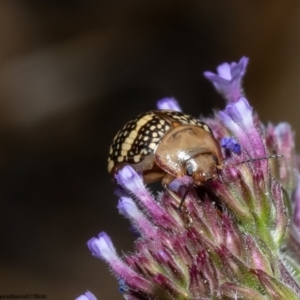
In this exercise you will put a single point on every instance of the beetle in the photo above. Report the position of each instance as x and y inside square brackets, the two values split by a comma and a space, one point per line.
[164, 145]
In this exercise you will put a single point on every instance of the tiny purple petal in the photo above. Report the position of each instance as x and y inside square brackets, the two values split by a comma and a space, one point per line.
[224, 71]
[229, 78]
[240, 112]
[128, 208]
[122, 286]
[229, 143]
[169, 104]
[102, 247]
[238, 70]
[129, 179]
[87, 296]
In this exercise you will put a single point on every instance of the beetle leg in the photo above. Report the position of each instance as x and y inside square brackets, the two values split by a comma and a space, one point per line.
[184, 212]
[165, 183]
[184, 196]
[152, 177]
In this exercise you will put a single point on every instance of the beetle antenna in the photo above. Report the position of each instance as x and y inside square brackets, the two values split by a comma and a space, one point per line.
[255, 159]
[184, 196]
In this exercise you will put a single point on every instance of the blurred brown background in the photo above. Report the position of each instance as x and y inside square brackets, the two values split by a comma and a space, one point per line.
[71, 74]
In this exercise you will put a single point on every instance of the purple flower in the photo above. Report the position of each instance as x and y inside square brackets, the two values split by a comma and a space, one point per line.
[128, 209]
[102, 247]
[122, 286]
[229, 78]
[238, 118]
[231, 144]
[129, 179]
[87, 296]
[226, 242]
[168, 104]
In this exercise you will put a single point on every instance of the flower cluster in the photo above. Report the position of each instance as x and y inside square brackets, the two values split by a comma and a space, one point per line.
[237, 236]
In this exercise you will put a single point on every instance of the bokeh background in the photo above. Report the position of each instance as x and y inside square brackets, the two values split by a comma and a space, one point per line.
[72, 73]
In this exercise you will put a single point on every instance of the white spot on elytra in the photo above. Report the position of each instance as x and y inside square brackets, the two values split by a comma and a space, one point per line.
[110, 165]
[152, 146]
[136, 158]
[206, 127]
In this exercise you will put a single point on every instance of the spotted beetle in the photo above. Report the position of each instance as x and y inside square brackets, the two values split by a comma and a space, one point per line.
[164, 145]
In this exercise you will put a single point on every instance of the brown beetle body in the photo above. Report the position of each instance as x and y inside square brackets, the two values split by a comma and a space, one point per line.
[165, 145]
